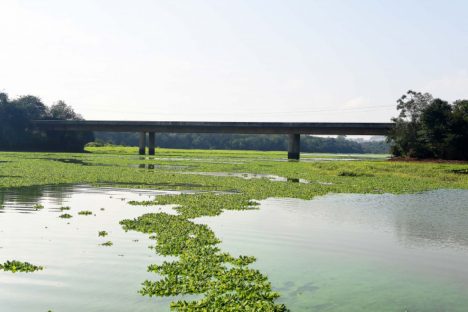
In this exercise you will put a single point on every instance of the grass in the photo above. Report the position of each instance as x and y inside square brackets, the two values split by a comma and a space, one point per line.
[225, 282]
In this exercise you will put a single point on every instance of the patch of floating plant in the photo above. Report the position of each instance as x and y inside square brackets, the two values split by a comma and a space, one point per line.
[354, 174]
[63, 208]
[102, 233]
[208, 160]
[107, 244]
[85, 213]
[227, 282]
[65, 216]
[38, 206]
[18, 266]
[248, 176]
[167, 187]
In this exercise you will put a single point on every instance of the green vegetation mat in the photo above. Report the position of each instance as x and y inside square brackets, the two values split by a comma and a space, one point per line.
[18, 266]
[226, 180]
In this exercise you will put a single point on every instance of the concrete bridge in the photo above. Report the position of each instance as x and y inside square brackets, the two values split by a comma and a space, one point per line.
[292, 129]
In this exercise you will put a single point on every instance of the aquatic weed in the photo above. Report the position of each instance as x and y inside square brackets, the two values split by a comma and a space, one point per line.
[85, 213]
[18, 266]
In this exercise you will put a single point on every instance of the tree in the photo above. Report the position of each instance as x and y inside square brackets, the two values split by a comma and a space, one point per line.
[16, 131]
[62, 111]
[430, 128]
[405, 136]
[458, 138]
[435, 127]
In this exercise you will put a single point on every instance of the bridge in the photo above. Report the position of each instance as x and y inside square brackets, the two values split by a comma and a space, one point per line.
[292, 129]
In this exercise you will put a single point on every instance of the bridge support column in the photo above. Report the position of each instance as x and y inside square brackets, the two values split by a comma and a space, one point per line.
[294, 146]
[151, 143]
[142, 144]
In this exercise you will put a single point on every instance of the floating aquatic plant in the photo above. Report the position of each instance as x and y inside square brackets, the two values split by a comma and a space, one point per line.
[102, 233]
[85, 213]
[65, 216]
[63, 208]
[38, 206]
[18, 266]
[226, 283]
[108, 244]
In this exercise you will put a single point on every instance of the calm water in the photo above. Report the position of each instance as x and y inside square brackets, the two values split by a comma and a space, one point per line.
[333, 253]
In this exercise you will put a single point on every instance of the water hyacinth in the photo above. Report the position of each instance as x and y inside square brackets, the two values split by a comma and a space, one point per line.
[225, 282]
[18, 266]
[85, 213]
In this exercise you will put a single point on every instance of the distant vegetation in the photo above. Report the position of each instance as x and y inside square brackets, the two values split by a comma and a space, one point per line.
[430, 128]
[262, 142]
[16, 132]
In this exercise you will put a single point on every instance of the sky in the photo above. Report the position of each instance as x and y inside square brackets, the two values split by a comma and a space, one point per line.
[252, 60]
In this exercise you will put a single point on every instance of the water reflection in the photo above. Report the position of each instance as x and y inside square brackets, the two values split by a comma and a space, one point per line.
[248, 176]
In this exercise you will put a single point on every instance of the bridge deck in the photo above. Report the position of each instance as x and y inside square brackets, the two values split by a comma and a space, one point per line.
[293, 129]
[349, 128]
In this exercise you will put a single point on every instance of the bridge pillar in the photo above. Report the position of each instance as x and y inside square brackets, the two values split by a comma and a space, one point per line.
[142, 144]
[151, 143]
[294, 146]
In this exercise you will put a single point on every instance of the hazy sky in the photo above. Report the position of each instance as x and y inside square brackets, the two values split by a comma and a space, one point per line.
[233, 60]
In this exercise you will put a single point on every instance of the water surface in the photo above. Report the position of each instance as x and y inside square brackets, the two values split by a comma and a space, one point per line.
[333, 253]
[358, 252]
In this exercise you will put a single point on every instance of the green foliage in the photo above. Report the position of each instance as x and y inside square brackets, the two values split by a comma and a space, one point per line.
[228, 141]
[202, 268]
[16, 131]
[38, 206]
[85, 213]
[107, 244]
[430, 128]
[18, 266]
[102, 233]
[65, 216]
[64, 208]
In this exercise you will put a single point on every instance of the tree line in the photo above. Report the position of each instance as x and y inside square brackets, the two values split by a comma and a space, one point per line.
[428, 127]
[263, 142]
[17, 133]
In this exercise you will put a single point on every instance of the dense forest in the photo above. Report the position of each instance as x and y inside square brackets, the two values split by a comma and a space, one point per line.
[16, 132]
[429, 127]
[262, 142]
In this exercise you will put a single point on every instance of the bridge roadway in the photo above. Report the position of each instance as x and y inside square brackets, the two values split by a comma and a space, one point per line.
[292, 129]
